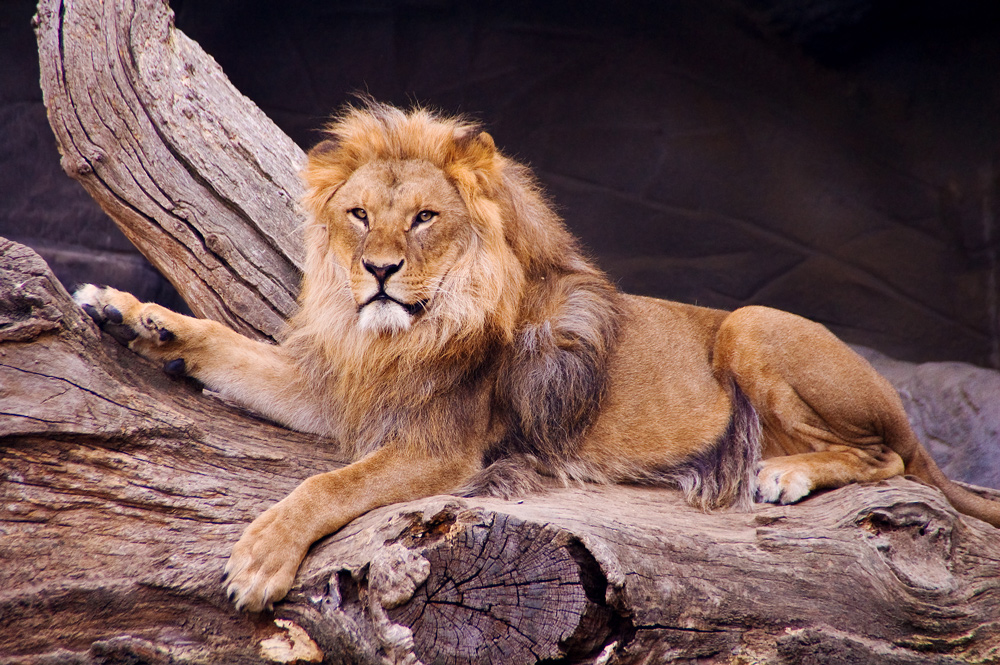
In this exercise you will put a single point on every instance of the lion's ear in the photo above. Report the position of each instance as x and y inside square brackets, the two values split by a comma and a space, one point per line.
[474, 164]
[323, 148]
[485, 142]
[324, 172]
[475, 148]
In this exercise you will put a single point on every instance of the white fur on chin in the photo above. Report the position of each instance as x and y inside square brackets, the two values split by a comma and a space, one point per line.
[384, 317]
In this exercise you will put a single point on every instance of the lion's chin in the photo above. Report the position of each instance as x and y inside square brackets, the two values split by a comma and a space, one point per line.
[384, 317]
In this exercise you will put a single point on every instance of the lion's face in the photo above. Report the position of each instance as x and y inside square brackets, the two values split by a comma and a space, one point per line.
[397, 228]
[420, 238]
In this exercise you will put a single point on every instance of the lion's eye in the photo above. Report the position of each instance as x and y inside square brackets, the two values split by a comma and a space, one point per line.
[359, 214]
[424, 216]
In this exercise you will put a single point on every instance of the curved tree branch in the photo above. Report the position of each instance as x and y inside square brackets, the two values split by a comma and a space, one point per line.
[197, 177]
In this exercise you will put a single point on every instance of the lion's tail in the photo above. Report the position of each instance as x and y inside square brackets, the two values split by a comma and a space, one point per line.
[923, 466]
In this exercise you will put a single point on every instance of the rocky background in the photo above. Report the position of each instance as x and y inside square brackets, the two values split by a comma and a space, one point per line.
[836, 158]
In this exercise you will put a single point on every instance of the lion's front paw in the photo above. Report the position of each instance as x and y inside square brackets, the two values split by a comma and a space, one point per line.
[139, 326]
[263, 564]
[110, 309]
[780, 480]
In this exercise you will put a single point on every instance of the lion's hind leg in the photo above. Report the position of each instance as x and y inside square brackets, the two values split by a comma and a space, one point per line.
[789, 478]
[828, 418]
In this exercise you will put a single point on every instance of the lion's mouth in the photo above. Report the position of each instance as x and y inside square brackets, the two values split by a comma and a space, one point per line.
[410, 308]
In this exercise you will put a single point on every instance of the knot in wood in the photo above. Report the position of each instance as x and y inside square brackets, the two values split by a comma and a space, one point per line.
[28, 307]
[505, 590]
[905, 535]
[215, 242]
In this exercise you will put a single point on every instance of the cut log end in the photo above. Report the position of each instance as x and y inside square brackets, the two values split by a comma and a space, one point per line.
[471, 585]
[503, 590]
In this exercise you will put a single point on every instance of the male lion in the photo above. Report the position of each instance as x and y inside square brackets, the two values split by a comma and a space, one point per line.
[454, 339]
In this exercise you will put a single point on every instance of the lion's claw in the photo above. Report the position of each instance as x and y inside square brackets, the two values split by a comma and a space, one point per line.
[92, 313]
[113, 314]
[175, 367]
[106, 315]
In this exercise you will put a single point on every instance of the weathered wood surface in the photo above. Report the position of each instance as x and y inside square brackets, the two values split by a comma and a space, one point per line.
[123, 491]
[198, 178]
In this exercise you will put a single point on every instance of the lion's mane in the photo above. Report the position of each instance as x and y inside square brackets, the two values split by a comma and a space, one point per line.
[526, 323]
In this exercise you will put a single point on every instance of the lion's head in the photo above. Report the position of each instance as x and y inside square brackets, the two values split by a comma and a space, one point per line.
[421, 231]
[403, 236]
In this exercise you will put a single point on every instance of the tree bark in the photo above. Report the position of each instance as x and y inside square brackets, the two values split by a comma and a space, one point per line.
[123, 490]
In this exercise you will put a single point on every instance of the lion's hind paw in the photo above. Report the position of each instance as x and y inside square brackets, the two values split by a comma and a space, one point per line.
[779, 481]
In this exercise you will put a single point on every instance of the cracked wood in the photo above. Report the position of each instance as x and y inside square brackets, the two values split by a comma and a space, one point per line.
[117, 519]
[201, 181]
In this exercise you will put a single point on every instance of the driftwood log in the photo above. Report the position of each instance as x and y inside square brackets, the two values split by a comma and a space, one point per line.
[197, 177]
[122, 490]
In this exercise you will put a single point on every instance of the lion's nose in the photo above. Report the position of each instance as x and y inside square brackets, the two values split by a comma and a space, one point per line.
[382, 272]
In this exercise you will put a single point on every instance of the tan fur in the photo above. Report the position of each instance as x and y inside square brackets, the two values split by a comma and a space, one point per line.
[496, 354]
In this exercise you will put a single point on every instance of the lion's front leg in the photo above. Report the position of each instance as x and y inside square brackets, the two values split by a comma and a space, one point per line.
[257, 375]
[263, 563]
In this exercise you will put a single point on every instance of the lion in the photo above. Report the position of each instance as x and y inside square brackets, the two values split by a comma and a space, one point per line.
[454, 338]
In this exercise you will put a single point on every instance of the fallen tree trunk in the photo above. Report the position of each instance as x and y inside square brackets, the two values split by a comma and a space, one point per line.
[123, 490]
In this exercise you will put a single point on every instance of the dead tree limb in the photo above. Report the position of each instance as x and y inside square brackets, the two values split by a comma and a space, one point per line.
[123, 490]
[197, 177]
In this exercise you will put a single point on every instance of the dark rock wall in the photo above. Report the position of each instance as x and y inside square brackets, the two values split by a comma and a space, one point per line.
[840, 159]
